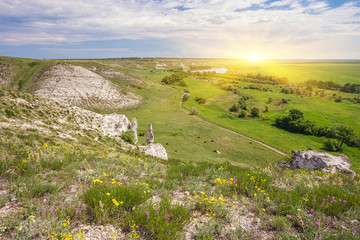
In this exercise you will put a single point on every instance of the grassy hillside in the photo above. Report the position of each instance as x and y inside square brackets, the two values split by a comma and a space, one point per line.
[59, 188]
[60, 181]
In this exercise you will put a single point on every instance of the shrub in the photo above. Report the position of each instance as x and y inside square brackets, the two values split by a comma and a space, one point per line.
[200, 100]
[242, 114]
[129, 136]
[193, 111]
[255, 112]
[266, 108]
[185, 97]
[234, 108]
[331, 145]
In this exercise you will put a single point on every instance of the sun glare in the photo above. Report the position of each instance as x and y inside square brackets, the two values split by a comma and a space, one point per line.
[254, 59]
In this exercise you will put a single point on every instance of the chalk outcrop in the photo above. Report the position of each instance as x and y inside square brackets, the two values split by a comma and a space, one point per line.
[79, 86]
[321, 161]
[155, 150]
[149, 135]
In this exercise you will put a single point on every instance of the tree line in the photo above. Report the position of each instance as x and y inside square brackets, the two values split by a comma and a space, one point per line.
[296, 123]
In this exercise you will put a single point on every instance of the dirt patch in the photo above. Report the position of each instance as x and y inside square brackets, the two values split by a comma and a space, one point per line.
[79, 86]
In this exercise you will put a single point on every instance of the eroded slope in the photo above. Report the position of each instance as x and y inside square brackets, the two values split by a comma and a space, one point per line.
[78, 86]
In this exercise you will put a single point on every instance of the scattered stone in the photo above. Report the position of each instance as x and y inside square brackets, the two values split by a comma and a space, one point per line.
[149, 135]
[321, 161]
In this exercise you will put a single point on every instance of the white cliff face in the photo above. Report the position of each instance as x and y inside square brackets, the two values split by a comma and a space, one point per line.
[322, 161]
[79, 86]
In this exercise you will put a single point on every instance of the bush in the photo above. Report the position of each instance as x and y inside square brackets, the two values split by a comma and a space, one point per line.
[234, 108]
[255, 112]
[331, 145]
[129, 136]
[200, 100]
[193, 111]
[185, 97]
[242, 114]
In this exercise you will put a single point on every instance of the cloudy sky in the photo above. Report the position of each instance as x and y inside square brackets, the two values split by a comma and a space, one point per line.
[292, 29]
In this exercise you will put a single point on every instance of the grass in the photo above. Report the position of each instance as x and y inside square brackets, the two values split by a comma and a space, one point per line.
[52, 186]
[322, 111]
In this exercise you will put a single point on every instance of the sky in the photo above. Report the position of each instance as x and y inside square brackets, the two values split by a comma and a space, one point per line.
[271, 29]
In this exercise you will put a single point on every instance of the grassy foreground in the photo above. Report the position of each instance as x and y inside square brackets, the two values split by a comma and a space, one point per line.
[55, 191]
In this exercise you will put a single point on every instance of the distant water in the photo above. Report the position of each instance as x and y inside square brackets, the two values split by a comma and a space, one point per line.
[217, 70]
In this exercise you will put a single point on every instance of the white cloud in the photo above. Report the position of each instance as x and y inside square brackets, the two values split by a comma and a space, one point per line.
[51, 22]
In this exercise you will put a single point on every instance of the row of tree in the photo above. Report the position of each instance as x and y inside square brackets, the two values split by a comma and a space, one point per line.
[296, 123]
[331, 85]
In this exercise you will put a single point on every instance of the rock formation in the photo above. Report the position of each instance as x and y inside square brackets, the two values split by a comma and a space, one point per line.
[155, 150]
[134, 126]
[79, 86]
[149, 135]
[321, 161]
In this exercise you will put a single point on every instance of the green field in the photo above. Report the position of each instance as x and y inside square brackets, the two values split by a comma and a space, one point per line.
[57, 187]
[186, 138]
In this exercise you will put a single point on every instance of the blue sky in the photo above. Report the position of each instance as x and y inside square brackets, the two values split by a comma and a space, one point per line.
[289, 29]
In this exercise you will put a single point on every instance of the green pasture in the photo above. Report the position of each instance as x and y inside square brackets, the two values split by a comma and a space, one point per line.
[320, 110]
[186, 138]
[298, 72]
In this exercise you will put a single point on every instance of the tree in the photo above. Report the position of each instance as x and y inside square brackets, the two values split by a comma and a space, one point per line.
[255, 112]
[343, 134]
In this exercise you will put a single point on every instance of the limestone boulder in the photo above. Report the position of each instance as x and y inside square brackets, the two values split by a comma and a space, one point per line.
[325, 162]
[155, 150]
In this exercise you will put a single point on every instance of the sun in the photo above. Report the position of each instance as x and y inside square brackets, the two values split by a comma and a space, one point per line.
[254, 59]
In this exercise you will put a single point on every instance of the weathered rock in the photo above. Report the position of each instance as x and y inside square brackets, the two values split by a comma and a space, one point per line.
[115, 124]
[321, 161]
[149, 135]
[155, 150]
[134, 126]
[79, 86]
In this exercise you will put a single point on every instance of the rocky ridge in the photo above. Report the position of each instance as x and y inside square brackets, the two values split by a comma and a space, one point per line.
[79, 86]
[32, 113]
